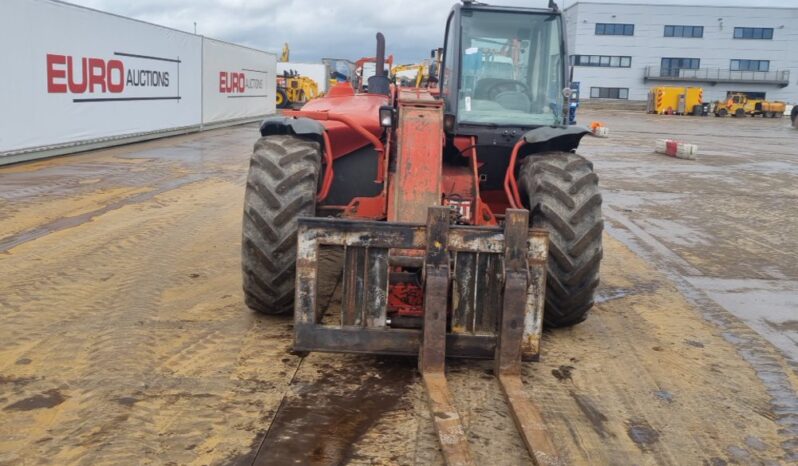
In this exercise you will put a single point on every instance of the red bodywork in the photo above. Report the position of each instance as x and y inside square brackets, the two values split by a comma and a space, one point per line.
[351, 121]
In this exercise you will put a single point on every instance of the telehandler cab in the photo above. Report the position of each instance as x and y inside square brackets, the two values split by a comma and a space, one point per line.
[458, 213]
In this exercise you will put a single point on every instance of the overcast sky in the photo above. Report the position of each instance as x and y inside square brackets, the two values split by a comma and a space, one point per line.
[327, 28]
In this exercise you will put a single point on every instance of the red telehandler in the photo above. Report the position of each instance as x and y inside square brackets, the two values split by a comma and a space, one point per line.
[458, 215]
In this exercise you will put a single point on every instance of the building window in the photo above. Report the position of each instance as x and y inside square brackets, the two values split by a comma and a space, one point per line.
[684, 31]
[750, 65]
[609, 29]
[671, 66]
[753, 33]
[601, 60]
[609, 93]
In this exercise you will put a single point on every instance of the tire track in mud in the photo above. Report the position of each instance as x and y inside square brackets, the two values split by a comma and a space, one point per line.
[645, 380]
[160, 412]
[120, 346]
[68, 280]
[93, 307]
[767, 362]
[62, 223]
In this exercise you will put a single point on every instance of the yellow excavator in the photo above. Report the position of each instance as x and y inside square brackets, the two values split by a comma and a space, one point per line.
[406, 80]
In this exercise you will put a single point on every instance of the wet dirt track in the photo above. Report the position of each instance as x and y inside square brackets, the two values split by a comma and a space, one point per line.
[124, 338]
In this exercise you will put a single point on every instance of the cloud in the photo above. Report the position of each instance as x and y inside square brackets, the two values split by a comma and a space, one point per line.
[316, 29]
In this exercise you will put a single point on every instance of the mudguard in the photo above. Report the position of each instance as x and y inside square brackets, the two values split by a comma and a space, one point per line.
[298, 126]
[555, 138]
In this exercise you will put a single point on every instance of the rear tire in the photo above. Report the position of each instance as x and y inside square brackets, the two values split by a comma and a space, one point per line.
[564, 199]
[281, 186]
[739, 113]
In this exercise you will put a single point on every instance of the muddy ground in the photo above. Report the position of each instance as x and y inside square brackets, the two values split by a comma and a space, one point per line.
[124, 338]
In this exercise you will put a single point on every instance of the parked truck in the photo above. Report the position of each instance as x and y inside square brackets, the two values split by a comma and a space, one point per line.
[670, 100]
[740, 105]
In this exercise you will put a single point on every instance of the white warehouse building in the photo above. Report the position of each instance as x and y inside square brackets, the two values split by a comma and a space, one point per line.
[621, 50]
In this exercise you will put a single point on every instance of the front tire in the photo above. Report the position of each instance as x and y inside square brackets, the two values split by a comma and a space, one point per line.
[281, 187]
[281, 99]
[564, 199]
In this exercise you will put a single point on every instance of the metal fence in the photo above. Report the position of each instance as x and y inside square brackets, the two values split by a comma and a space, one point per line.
[717, 75]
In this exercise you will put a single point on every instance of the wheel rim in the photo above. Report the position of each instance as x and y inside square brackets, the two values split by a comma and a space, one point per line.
[279, 98]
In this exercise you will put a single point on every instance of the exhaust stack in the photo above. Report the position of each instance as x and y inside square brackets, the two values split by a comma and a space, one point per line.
[379, 83]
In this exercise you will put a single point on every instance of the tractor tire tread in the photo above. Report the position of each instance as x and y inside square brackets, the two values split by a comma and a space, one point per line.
[281, 186]
[564, 199]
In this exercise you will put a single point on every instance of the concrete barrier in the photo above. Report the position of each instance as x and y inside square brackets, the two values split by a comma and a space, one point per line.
[676, 149]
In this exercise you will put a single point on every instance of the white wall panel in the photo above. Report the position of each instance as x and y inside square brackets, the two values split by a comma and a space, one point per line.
[238, 82]
[73, 74]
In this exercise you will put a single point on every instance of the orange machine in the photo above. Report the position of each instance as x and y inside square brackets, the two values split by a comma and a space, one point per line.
[451, 220]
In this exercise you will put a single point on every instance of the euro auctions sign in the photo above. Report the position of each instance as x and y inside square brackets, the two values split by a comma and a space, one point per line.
[231, 82]
[123, 77]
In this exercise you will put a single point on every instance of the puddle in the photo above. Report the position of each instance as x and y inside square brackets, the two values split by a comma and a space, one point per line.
[321, 423]
[675, 232]
[48, 399]
[642, 434]
[562, 373]
[767, 306]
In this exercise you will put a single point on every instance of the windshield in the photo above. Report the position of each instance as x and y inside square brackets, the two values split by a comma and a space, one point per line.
[511, 69]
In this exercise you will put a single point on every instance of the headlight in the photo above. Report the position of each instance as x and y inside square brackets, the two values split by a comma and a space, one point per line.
[386, 116]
